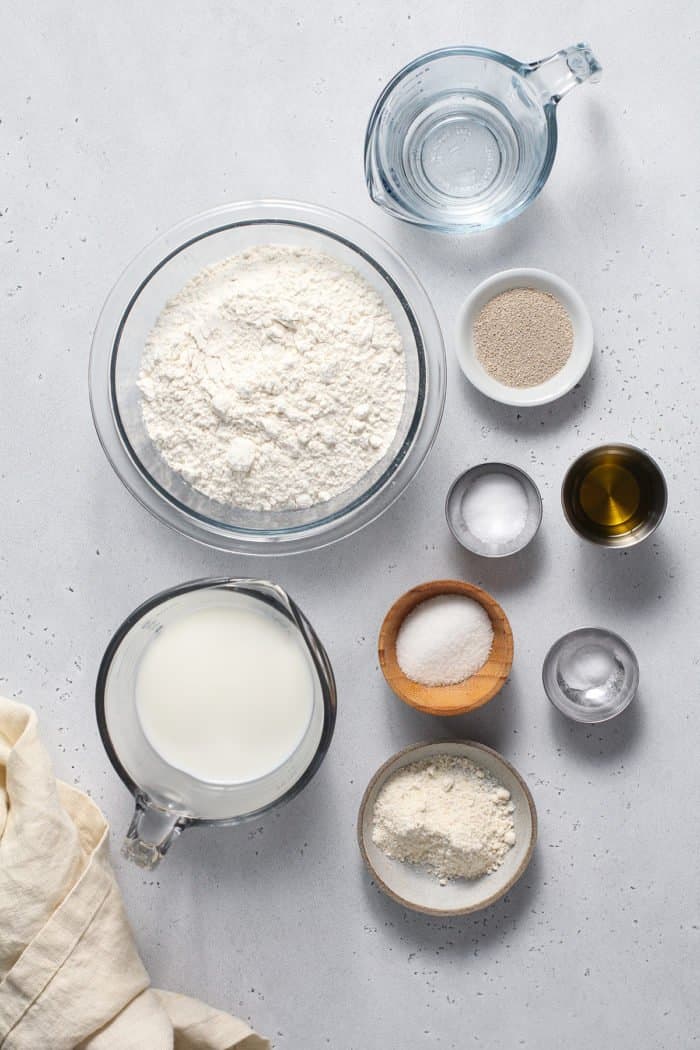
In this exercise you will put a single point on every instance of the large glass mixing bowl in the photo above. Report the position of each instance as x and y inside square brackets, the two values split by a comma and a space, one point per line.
[158, 273]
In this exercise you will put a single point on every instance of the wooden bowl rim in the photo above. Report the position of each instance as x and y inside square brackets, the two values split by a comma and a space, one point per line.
[442, 912]
[469, 590]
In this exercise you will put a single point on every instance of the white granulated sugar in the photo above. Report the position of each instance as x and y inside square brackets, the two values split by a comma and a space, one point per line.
[444, 640]
[274, 380]
[447, 814]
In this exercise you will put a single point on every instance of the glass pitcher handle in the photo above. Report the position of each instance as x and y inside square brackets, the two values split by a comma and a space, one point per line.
[151, 833]
[559, 73]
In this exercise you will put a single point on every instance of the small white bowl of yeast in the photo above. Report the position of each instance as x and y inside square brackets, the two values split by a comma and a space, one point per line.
[554, 387]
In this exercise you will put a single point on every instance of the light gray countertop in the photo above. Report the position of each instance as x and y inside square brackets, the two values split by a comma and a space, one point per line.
[117, 120]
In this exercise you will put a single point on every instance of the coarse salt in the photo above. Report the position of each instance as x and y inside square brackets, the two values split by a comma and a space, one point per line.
[495, 508]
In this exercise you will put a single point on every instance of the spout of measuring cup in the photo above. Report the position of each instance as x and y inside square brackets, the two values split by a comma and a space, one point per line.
[558, 74]
[151, 833]
[375, 182]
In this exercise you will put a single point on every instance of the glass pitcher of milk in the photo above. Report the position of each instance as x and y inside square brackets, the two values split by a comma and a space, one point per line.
[215, 701]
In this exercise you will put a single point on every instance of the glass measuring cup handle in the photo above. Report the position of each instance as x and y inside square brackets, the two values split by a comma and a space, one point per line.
[559, 73]
[151, 833]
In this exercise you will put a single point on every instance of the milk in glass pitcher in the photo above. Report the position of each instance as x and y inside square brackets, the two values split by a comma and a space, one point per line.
[215, 702]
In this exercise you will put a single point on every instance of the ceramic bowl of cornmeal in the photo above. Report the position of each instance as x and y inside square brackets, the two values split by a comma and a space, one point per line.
[459, 778]
[524, 337]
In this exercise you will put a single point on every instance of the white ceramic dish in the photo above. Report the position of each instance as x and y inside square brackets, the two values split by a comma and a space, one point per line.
[563, 381]
[417, 889]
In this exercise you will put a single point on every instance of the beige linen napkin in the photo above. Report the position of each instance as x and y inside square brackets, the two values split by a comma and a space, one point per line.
[71, 976]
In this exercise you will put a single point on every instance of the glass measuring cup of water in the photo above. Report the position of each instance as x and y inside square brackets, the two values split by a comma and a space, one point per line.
[464, 138]
[170, 794]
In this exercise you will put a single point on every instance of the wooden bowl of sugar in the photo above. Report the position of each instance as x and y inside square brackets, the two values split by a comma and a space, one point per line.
[455, 697]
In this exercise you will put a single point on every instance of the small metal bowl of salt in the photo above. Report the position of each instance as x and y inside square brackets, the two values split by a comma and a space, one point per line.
[494, 509]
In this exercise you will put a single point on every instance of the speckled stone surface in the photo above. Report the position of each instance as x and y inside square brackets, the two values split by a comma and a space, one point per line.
[115, 122]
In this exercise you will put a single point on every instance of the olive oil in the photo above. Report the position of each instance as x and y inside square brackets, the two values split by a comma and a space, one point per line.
[611, 496]
[614, 495]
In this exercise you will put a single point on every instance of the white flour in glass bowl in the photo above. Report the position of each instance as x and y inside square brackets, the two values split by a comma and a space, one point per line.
[274, 380]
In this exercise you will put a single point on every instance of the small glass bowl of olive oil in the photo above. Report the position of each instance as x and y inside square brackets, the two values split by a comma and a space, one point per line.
[614, 495]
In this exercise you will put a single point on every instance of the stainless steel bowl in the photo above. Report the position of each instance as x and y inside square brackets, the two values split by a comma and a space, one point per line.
[605, 529]
[459, 527]
[158, 273]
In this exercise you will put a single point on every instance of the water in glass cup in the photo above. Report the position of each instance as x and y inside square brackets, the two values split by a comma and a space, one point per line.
[464, 138]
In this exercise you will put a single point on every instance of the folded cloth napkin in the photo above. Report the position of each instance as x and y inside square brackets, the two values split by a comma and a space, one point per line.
[71, 977]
